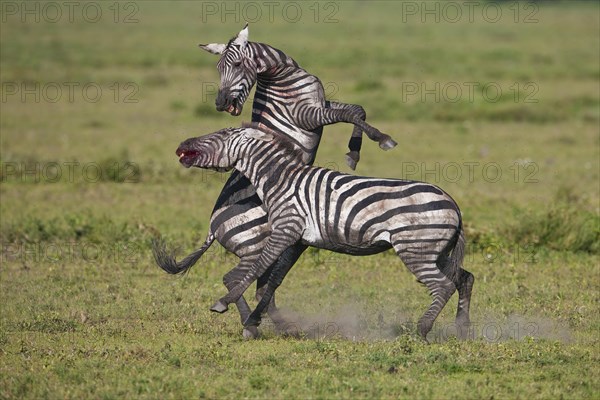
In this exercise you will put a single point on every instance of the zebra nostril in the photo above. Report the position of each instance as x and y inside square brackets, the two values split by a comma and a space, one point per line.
[223, 100]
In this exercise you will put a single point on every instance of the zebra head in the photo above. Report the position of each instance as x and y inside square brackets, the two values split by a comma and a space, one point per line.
[237, 70]
[219, 151]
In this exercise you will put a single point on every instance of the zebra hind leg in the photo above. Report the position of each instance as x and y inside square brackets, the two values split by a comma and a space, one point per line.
[451, 265]
[427, 272]
[465, 287]
[441, 289]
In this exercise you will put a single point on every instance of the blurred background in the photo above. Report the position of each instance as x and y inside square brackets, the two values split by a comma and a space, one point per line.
[497, 103]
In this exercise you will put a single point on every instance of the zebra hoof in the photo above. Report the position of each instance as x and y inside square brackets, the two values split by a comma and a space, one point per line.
[423, 329]
[252, 321]
[250, 332]
[219, 307]
[463, 329]
[352, 159]
[387, 143]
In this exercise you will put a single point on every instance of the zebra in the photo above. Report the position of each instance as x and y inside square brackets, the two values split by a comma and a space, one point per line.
[287, 99]
[312, 206]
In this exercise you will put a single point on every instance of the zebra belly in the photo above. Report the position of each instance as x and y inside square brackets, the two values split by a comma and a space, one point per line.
[345, 248]
[313, 236]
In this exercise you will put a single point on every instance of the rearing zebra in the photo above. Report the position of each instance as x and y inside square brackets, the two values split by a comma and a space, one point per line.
[290, 100]
[344, 213]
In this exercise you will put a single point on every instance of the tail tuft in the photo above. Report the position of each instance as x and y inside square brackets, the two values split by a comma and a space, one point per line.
[166, 259]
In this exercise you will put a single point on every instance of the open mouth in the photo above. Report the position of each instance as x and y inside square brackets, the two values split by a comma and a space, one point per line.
[187, 157]
[233, 109]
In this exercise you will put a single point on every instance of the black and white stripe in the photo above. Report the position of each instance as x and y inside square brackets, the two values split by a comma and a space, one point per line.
[289, 100]
[311, 206]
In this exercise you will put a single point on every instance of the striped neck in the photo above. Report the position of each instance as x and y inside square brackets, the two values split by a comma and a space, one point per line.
[276, 74]
[265, 164]
[271, 62]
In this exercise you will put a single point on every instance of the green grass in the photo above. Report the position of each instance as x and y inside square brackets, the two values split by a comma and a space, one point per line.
[85, 186]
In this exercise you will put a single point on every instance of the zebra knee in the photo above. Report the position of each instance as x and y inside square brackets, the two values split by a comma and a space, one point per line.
[443, 292]
[360, 111]
[440, 287]
[358, 117]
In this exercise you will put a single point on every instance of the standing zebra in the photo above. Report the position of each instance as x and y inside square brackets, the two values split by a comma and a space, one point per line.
[344, 213]
[289, 100]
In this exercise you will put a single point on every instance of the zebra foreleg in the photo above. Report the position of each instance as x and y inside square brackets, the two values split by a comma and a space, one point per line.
[231, 279]
[278, 242]
[261, 287]
[327, 116]
[355, 144]
[283, 265]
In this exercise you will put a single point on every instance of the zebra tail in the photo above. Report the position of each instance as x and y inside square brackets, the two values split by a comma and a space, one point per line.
[166, 260]
[450, 262]
[454, 263]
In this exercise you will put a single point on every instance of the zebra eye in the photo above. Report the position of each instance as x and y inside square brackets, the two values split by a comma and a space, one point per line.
[237, 63]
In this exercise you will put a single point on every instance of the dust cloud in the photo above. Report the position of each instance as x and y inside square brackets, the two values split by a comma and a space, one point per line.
[357, 323]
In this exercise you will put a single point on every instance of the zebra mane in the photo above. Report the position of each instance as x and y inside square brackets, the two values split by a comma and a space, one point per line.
[282, 57]
[230, 41]
[279, 139]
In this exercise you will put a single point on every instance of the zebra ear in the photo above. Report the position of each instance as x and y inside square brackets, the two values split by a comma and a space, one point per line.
[213, 48]
[259, 135]
[242, 38]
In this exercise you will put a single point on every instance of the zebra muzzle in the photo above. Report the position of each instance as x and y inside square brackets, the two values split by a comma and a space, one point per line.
[186, 157]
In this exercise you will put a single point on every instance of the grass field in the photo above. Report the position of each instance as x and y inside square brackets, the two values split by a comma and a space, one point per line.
[500, 107]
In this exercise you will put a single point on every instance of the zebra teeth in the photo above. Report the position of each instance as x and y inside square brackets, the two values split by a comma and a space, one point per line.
[230, 109]
[181, 155]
